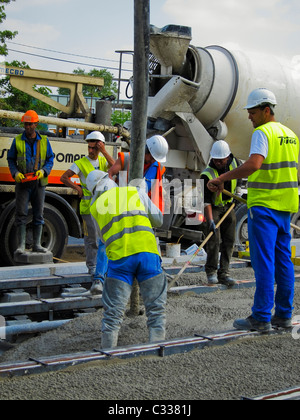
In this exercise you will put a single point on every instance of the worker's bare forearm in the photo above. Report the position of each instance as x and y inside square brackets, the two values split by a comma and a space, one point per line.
[109, 159]
[252, 165]
[65, 179]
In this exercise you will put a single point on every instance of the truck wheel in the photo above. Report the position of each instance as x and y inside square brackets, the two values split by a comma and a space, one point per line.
[296, 221]
[241, 224]
[54, 238]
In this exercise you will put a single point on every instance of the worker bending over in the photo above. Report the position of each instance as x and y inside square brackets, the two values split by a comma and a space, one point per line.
[125, 217]
[272, 196]
[83, 167]
[30, 154]
[155, 154]
[223, 239]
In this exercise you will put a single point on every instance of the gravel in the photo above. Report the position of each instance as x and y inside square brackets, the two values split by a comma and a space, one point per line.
[248, 367]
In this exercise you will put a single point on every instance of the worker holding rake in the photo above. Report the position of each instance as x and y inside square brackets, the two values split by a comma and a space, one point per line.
[223, 239]
[272, 171]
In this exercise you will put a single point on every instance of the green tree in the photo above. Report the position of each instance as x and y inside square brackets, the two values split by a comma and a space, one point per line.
[109, 88]
[120, 117]
[5, 35]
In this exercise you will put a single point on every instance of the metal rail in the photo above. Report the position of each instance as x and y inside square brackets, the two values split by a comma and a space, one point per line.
[161, 349]
[45, 298]
[292, 394]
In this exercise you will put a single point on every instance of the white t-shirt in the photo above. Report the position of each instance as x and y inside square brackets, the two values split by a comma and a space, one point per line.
[259, 144]
[74, 168]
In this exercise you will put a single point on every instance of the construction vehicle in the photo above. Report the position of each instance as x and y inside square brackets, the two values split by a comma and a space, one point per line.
[196, 95]
[201, 93]
[61, 213]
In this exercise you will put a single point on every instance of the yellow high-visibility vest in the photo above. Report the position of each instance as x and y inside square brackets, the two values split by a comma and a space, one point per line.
[212, 173]
[21, 155]
[124, 224]
[275, 184]
[86, 168]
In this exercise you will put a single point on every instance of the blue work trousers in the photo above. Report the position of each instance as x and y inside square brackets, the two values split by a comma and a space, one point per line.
[270, 249]
[30, 193]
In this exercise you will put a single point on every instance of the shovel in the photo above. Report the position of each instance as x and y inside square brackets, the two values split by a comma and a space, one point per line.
[200, 247]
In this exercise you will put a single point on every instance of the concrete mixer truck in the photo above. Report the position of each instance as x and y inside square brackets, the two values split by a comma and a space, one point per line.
[202, 92]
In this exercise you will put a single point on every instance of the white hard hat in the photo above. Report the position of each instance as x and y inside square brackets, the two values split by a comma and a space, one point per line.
[93, 178]
[127, 125]
[158, 147]
[98, 182]
[261, 97]
[95, 136]
[220, 150]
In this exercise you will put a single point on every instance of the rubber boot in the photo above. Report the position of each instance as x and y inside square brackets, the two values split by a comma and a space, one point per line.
[156, 334]
[37, 236]
[109, 340]
[21, 235]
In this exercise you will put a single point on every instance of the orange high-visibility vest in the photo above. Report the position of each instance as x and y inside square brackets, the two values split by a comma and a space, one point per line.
[156, 192]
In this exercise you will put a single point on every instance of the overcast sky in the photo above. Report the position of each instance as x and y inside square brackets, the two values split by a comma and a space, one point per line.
[96, 28]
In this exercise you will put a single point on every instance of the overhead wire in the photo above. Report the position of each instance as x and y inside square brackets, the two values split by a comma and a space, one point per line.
[67, 61]
[66, 53]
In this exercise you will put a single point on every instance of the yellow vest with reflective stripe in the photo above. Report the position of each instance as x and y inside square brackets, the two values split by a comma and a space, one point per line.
[86, 168]
[21, 156]
[124, 224]
[275, 184]
[212, 173]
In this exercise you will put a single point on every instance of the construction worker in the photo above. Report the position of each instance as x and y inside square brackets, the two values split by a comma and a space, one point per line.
[272, 196]
[155, 154]
[93, 161]
[125, 216]
[223, 239]
[30, 154]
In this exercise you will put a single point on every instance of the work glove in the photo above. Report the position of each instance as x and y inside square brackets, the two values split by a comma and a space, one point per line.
[212, 226]
[19, 177]
[40, 174]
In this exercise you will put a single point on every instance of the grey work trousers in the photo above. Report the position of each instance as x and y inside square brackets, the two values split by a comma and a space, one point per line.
[221, 242]
[91, 233]
[30, 193]
[116, 294]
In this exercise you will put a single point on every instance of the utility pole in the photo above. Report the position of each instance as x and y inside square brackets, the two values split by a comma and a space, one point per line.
[139, 106]
[140, 87]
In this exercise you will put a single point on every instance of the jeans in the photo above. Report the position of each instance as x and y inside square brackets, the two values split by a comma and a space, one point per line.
[33, 193]
[116, 294]
[102, 263]
[270, 250]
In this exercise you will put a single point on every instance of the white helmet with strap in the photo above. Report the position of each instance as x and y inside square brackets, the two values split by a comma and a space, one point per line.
[220, 150]
[260, 97]
[98, 182]
[158, 147]
[95, 136]
[94, 178]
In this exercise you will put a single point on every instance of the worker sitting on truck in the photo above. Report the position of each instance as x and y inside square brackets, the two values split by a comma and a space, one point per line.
[155, 154]
[82, 168]
[223, 239]
[272, 171]
[30, 161]
[125, 216]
